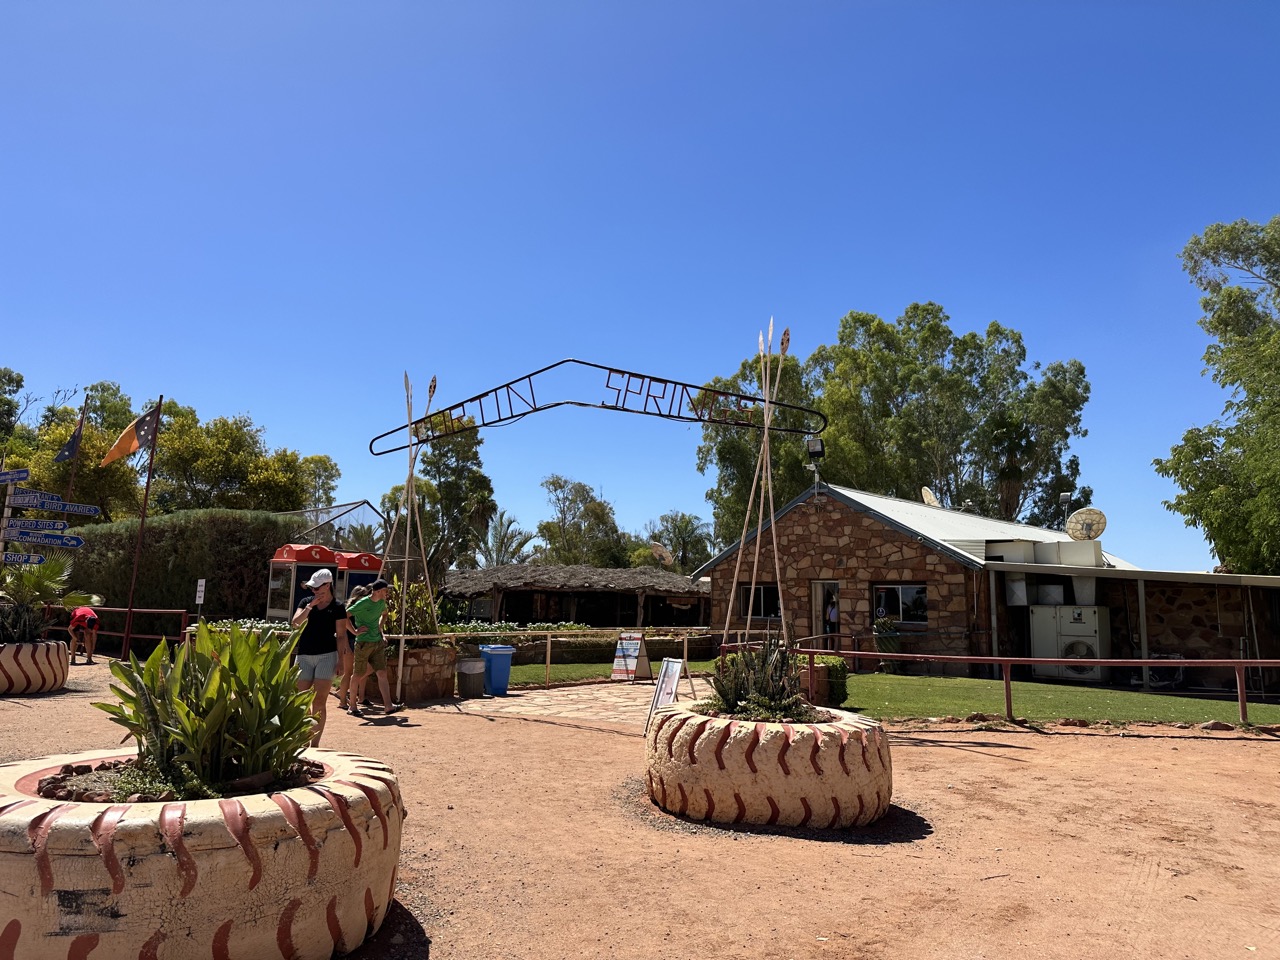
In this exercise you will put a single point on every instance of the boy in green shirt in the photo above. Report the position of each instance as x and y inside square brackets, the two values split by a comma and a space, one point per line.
[366, 616]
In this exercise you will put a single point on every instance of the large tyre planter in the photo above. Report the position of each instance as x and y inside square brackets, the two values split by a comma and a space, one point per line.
[303, 873]
[38, 667]
[828, 775]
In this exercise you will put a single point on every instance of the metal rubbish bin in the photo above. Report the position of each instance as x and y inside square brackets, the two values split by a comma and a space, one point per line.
[497, 668]
[471, 677]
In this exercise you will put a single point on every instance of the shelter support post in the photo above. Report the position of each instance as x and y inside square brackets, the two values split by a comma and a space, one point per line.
[1142, 633]
[1241, 695]
[991, 602]
[1007, 669]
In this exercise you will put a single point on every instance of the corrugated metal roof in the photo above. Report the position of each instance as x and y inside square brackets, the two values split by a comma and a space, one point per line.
[964, 532]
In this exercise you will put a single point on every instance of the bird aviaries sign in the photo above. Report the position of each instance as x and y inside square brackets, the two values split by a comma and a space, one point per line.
[616, 389]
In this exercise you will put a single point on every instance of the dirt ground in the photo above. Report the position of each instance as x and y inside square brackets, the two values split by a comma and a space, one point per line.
[530, 838]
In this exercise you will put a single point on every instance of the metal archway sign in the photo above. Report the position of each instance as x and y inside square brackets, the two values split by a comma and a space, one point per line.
[623, 390]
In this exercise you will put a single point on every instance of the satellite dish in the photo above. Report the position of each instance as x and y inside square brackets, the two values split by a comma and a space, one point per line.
[662, 554]
[927, 496]
[1086, 524]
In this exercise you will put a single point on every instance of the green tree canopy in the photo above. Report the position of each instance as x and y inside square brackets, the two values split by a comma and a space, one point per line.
[582, 528]
[686, 537]
[504, 543]
[1229, 470]
[912, 404]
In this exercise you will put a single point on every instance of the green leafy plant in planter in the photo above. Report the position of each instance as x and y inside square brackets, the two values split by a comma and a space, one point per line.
[419, 614]
[218, 714]
[30, 595]
[761, 684]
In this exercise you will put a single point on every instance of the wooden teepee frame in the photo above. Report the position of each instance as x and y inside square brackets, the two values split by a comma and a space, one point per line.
[408, 508]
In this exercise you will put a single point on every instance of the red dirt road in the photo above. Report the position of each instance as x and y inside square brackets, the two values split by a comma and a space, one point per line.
[530, 838]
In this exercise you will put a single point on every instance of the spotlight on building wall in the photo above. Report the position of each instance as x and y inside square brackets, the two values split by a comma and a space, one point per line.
[817, 449]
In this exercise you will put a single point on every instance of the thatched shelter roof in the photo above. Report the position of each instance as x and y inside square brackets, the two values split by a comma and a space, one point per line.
[468, 584]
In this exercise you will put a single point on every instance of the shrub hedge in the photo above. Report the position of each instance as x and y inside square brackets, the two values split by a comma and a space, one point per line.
[228, 549]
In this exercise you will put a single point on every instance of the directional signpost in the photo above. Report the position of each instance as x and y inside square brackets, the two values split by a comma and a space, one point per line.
[39, 500]
[35, 524]
[14, 476]
[44, 539]
[23, 558]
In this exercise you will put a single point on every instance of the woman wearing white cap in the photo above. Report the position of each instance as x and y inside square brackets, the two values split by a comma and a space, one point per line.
[322, 637]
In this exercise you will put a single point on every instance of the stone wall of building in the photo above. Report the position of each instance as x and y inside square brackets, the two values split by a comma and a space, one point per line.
[825, 540]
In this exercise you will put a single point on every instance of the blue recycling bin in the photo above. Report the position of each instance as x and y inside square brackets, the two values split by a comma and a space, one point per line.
[497, 668]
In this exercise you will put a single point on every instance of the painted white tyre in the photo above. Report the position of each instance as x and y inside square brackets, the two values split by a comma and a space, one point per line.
[33, 667]
[829, 775]
[304, 873]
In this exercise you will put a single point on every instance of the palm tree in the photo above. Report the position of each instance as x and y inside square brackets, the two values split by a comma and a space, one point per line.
[30, 591]
[688, 538]
[505, 542]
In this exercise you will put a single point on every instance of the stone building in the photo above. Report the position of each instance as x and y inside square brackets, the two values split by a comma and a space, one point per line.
[956, 583]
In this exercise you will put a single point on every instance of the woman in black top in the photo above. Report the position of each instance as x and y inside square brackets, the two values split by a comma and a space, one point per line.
[323, 636]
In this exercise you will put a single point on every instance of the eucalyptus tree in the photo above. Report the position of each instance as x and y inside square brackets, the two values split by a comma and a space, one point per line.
[1229, 470]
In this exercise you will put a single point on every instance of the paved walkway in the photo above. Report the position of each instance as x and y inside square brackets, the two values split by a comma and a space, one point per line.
[616, 702]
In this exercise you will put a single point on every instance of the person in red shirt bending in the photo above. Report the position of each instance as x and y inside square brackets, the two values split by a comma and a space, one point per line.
[84, 632]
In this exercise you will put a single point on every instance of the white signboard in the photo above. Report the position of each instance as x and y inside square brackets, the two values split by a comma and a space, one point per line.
[199, 592]
[664, 691]
[631, 659]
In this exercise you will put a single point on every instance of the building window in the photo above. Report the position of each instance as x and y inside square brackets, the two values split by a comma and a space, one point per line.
[763, 601]
[901, 602]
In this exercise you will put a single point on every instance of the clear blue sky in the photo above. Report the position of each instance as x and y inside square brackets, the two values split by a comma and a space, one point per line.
[279, 208]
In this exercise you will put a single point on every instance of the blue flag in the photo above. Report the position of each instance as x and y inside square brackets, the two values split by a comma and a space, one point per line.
[72, 446]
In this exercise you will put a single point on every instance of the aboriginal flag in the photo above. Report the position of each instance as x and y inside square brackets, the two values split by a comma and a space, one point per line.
[72, 446]
[136, 436]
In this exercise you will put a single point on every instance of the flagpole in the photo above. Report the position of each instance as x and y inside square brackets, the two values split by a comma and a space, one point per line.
[71, 481]
[142, 522]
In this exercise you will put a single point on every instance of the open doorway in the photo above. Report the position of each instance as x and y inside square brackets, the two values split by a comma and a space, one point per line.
[822, 593]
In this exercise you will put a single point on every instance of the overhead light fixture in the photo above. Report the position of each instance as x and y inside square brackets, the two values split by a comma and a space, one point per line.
[817, 449]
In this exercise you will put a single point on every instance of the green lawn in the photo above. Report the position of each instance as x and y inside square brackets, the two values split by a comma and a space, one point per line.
[888, 697]
[891, 697]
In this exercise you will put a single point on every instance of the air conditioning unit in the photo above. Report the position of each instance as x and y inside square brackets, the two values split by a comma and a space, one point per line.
[1078, 633]
[1084, 633]
[1044, 640]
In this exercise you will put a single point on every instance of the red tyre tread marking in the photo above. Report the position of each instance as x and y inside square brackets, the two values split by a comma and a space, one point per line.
[773, 811]
[742, 808]
[813, 754]
[789, 735]
[376, 803]
[331, 918]
[82, 946]
[751, 747]
[151, 949]
[392, 784]
[862, 806]
[391, 889]
[649, 776]
[222, 942]
[342, 809]
[662, 722]
[835, 817]
[370, 911]
[12, 805]
[697, 735]
[17, 662]
[807, 812]
[172, 818]
[10, 685]
[237, 823]
[684, 800]
[35, 665]
[711, 803]
[38, 835]
[103, 830]
[284, 930]
[675, 733]
[9, 939]
[662, 787]
[844, 740]
[724, 738]
[293, 813]
[865, 762]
